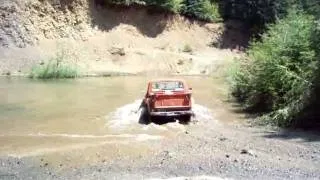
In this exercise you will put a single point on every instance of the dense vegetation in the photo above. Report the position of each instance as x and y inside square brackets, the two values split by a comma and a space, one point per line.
[255, 12]
[280, 78]
[207, 10]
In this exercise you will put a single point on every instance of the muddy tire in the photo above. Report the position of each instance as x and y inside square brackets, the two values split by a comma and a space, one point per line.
[149, 118]
[145, 117]
[185, 119]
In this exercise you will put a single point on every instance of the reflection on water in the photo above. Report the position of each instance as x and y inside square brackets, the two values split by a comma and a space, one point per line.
[37, 114]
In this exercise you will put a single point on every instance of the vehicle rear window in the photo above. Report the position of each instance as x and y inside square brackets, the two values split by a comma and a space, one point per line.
[167, 85]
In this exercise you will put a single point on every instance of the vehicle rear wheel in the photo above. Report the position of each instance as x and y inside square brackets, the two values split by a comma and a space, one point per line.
[145, 117]
[185, 119]
[149, 118]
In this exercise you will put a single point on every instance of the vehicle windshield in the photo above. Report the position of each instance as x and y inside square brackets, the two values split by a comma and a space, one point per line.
[167, 85]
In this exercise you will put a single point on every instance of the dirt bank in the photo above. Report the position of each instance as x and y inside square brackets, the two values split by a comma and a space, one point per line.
[102, 40]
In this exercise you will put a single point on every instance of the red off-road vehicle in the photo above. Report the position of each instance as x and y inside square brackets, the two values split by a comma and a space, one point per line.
[168, 98]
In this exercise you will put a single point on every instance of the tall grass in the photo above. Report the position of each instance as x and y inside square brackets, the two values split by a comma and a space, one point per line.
[55, 68]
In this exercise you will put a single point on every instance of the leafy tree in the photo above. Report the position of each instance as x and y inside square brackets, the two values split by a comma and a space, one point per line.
[254, 12]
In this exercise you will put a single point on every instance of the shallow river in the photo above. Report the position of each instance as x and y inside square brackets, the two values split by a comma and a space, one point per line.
[39, 116]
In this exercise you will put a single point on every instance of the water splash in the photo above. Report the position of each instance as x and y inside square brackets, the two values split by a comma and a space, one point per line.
[129, 114]
[154, 126]
[202, 113]
[125, 115]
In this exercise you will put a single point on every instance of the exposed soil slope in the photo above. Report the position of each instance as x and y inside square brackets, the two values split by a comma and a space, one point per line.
[102, 40]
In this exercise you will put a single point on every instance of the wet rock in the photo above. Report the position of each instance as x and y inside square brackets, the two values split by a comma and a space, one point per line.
[167, 155]
[180, 62]
[249, 152]
[45, 164]
[223, 139]
[117, 51]
[98, 155]
[227, 155]
[203, 71]
[244, 151]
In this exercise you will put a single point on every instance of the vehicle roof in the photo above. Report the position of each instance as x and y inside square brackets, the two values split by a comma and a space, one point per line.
[169, 79]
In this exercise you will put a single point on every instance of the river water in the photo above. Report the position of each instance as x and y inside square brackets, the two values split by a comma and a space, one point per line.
[46, 116]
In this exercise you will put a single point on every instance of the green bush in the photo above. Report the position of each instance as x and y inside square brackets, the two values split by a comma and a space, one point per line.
[202, 9]
[278, 76]
[170, 5]
[173, 5]
[54, 69]
[310, 6]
